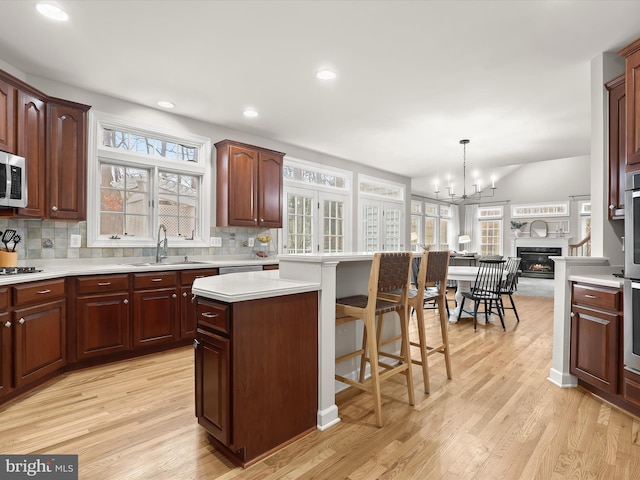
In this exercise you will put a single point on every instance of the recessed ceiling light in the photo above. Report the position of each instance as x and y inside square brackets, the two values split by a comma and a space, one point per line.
[166, 104]
[52, 11]
[250, 113]
[326, 74]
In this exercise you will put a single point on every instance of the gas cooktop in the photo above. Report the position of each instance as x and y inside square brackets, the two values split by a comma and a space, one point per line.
[18, 270]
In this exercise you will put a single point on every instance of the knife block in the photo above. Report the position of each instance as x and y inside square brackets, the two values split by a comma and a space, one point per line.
[8, 259]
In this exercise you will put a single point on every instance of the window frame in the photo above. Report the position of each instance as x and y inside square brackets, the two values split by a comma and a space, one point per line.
[99, 154]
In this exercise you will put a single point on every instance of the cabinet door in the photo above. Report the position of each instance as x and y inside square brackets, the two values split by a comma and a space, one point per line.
[66, 162]
[187, 313]
[154, 317]
[5, 353]
[212, 384]
[7, 117]
[595, 340]
[270, 190]
[243, 186]
[617, 147]
[103, 325]
[31, 145]
[40, 341]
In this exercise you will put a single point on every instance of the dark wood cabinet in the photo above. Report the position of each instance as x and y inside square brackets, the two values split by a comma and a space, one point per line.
[155, 308]
[102, 321]
[617, 146]
[7, 117]
[187, 305]
[6, 344]
[596, 336]
[66, 160]
[31, 127]
[39, 335]
[632, 93]
[256, 364]
[249, 185]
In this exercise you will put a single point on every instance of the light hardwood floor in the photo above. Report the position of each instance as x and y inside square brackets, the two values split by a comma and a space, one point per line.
[498, 418]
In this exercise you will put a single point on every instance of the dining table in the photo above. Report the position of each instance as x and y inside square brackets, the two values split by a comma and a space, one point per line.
[464, 277]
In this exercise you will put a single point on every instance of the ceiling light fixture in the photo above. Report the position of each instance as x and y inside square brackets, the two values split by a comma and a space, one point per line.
[478, 193]
[52, 11]
[166, 104]
[250, 113]
[326, 74]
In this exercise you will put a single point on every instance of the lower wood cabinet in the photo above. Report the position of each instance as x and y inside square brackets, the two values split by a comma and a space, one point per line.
[256, 373]
[155, 308]
[6, 344]
[102, 315]
[39, 330]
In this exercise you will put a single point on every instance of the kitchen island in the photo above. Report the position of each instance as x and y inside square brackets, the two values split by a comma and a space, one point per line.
[256, 357]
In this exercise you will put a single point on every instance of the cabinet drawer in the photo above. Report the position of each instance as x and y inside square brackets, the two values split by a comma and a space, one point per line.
[4, 299]
[154, 280]
[102, 283]
[602, 297]
[188, 276]
[37, 292]
[631, 389]
[213, 315]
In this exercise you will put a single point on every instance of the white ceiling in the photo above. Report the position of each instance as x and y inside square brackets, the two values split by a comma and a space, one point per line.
[414, 77]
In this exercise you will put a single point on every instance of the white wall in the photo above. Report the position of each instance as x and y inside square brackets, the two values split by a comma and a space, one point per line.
[160, 118]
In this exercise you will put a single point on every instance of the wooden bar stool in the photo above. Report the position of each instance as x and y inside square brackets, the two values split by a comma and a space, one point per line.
[432, 282]
[388, 291]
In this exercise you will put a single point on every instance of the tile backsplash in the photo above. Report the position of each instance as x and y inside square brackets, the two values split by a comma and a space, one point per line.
[45, 239]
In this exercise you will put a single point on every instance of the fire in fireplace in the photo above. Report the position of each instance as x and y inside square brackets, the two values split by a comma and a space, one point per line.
[536, 262]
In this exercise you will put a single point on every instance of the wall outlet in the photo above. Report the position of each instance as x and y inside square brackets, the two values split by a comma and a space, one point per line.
[75, 241]
[216, 241]
[251, 241]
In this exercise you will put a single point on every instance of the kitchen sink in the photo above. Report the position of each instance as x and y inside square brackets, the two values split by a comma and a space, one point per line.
[149, 264]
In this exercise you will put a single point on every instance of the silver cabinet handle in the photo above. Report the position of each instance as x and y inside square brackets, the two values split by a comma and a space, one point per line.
[125, 301]
[591, 296]
[196, 343]
[42, 292]
[572, 314]
[156, 279]
[8, 324]
[184, 294]
[54, 208]
[611, 207]
[174, 296]
[209, 315]
[104, 284]
[21, 321]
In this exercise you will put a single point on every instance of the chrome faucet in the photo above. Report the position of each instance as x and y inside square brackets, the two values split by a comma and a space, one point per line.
[161, 246]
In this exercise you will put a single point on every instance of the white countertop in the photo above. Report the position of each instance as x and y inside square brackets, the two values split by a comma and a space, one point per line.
[240, 287]
[327, 257]
[603, 280]
[101, 266]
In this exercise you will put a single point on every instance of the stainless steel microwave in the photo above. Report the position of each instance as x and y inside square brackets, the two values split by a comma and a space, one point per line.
[13, 181]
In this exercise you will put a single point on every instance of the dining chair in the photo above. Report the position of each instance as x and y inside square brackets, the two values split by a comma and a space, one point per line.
[387, 292]
[486, 290]
[509, 284]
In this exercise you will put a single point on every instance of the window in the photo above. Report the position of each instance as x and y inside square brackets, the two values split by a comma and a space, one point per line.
[316, 201]
[142, 178]
[490, 219]
[427, 227]
[556, 209]
[381, 217]
[585, 226]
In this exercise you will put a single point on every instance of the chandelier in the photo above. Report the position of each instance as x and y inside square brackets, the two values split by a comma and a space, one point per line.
[477, 187]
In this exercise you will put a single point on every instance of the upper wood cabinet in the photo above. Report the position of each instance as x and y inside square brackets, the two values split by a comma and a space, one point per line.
[249, 185]
[617, 146]
[51, 134]
[7, 117]
[632, 79]
[66, 160]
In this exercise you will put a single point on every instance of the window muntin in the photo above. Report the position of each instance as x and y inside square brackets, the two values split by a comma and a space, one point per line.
[381, 189]
[299, 223]
[490, 223]
[310, 174]
[140, 177]
[430, 231]
[556, 209]
[333, 235]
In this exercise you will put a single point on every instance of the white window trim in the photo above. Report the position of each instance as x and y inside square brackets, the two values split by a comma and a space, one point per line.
[100, 120]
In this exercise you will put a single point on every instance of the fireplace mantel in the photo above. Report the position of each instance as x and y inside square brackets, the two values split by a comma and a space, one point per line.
[562, 242]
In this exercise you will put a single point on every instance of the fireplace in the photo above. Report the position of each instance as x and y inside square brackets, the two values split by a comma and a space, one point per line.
[536, 262]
